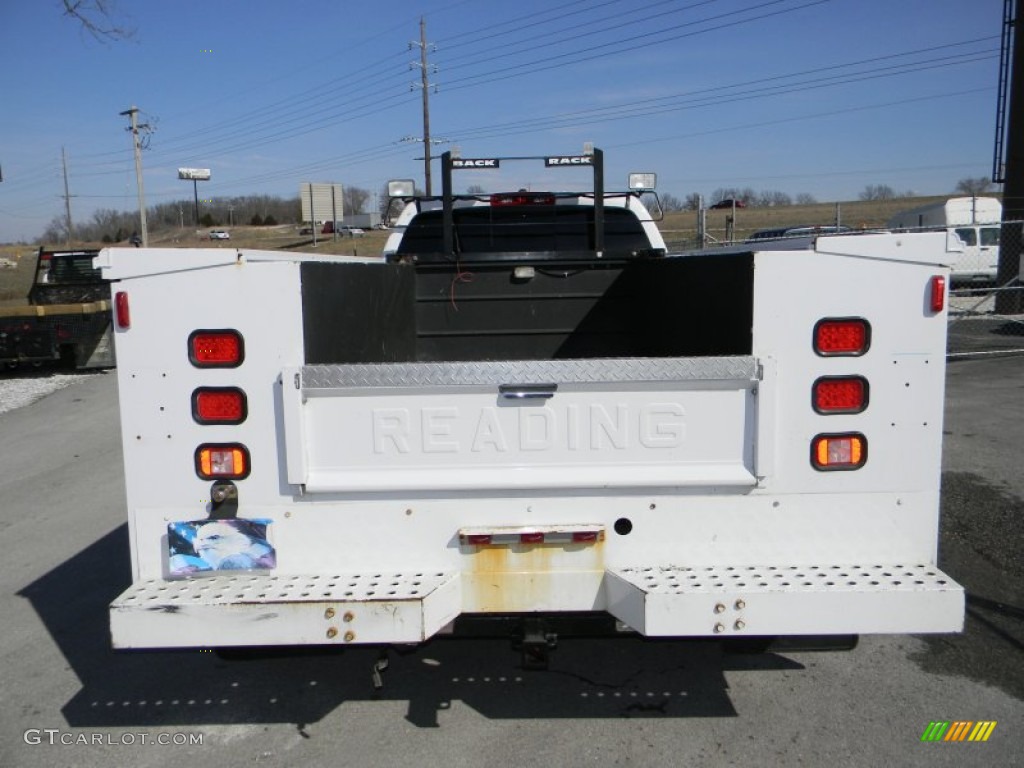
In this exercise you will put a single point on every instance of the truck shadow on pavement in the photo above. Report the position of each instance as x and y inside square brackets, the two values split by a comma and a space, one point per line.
[602, 678]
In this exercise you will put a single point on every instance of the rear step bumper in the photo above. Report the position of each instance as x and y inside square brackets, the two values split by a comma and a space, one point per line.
[247, 609]
[785, 600]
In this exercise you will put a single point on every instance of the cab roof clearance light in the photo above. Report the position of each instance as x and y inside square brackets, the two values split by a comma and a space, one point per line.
[219, 405]
[523, 198]
[839, 452]
[216, 349]
[842, 337]
[225, 461]
[840, 394]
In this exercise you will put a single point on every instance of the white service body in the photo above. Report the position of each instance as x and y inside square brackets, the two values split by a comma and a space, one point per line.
[675, 494]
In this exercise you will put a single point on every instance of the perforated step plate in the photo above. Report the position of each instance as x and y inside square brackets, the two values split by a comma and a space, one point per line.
[785, 600]
[245, 609]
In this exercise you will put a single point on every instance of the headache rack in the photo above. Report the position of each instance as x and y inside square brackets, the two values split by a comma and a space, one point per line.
[525, 226]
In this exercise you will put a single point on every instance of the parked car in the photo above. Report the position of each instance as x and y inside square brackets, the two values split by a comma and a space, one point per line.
[219, 234]
[728, 203]
[342, 229]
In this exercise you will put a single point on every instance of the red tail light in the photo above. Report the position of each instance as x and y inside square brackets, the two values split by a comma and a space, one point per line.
[122, 312]
[848, 336]
[216, 349]
[831, 452]
[219, 405]
[228, 461]
[938, 293]
[840, 394]
[523, 198]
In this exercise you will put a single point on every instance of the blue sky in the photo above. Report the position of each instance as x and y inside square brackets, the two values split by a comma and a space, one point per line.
[803, 96]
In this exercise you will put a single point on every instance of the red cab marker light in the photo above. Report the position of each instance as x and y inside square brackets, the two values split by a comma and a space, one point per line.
[216, 349]
[219, 405]
[842, 336]
[584, 536]
[122, 312]
[838, 452]
[938, 293]
[227, 461]
[531, 538]
[840, 394]
[478, 539]
[522, 199]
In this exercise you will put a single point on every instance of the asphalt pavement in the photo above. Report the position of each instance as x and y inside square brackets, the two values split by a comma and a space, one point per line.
[68, 699]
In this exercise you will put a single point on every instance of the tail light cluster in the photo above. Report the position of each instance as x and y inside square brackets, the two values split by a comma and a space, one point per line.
[219, 405]
[845, 394]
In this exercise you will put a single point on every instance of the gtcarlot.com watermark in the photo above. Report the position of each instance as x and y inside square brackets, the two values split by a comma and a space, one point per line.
[56, 736]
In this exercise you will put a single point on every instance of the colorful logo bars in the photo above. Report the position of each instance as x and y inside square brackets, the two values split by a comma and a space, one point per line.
[958, 730]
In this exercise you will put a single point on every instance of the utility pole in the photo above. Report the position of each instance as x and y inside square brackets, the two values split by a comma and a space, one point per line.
[425, 87]
[67, 195]
[133, 116]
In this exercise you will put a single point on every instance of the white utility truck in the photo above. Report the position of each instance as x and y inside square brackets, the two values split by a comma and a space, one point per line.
[529, 412]
[972, 224]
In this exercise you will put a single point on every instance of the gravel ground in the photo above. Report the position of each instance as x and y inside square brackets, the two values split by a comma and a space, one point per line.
[18, 388]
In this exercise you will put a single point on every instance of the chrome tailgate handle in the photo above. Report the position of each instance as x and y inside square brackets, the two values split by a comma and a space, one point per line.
[517, 392]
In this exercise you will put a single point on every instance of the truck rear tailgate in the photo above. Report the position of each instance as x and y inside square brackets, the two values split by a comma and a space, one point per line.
[601, 423]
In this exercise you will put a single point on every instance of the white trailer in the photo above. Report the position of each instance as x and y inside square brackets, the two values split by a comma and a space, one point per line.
[347, 451]
[973, 226]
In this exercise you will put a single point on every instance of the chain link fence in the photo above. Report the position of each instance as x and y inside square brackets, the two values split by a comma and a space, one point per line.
[986, 296]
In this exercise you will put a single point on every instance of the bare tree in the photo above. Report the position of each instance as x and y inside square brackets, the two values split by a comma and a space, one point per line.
[97, 17]
[805, 199]
[670, 203]
[692, 202]
[976, 186]
[772, 197]
[355, 199]
[475, 189]
[878, 192]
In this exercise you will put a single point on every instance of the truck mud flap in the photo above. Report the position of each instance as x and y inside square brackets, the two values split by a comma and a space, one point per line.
[248, 609]
[746, 600]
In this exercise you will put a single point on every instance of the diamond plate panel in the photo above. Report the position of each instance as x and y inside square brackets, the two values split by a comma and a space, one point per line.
[494, 373]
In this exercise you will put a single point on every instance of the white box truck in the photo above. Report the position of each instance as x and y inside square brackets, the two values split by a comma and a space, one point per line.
[973, 225]
[529, 412]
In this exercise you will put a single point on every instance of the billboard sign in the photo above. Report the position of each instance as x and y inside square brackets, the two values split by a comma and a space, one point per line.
[194, 174]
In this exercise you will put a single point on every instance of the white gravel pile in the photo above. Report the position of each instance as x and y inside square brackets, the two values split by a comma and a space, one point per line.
[21, 389]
